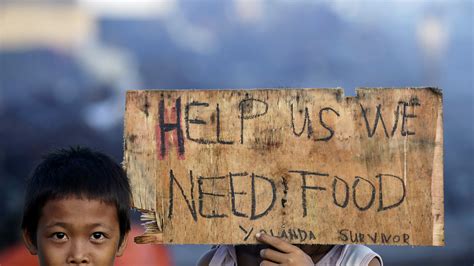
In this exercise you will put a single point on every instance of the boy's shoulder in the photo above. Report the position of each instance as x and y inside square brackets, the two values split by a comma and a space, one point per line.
[207, 257]
[358, 255]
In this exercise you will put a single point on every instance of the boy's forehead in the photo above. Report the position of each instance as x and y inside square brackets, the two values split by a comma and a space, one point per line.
[75, 210]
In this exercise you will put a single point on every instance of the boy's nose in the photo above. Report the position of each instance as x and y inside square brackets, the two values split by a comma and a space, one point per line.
[78, 254]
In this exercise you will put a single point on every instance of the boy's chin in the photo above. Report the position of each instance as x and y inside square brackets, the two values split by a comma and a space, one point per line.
[252, 249]
[308, 249]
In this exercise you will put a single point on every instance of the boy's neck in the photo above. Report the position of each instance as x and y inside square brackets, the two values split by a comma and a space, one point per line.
[316, 252]
[250, 254]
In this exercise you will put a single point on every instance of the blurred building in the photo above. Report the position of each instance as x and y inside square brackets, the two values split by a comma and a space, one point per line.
[28, 25]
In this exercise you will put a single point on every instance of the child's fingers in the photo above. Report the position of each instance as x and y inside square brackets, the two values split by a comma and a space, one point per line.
[276, 243]
[267, 263]
[273, 255]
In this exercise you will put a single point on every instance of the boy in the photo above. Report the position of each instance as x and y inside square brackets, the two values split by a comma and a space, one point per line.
[77, 209]
[276, 251]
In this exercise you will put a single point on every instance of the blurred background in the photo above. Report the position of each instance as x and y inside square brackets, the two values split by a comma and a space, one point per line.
[65, 67]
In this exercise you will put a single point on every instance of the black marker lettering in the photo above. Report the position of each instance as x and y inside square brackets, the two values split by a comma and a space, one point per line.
[305, 187]
[406, 237]
[321, 121]
[346, 198]
[292, 234]
[405, 131]
[253, 214]
[165, 127]
[233, 193]
[396, 238]
[373, 237]
[372, 196]
[307, 122]
[195, 121]
[382, 207]
[302, 234]
[213, 214]
[191, 206]
[245, 107]
[378, 116]
[343, 235]
[386, 238]
[218, 128]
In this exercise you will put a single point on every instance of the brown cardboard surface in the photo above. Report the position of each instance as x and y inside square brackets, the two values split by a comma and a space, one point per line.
[309, 165]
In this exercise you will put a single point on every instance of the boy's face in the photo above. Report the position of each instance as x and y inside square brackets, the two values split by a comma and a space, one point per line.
[74, 231]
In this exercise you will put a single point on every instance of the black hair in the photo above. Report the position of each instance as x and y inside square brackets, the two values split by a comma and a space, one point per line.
[76, 172]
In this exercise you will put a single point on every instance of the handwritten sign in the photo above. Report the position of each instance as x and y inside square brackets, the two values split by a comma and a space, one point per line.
[308, 165]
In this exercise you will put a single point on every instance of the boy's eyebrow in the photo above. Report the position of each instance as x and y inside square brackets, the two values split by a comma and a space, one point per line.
[56, 224]
[93, 225]
[100, 224]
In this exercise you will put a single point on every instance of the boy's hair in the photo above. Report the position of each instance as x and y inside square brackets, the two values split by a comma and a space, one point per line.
[76, 172]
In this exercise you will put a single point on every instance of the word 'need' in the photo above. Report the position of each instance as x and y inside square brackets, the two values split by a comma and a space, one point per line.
[343, 194]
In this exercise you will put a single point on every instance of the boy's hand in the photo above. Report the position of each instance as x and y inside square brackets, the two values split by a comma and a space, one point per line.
[283, 254]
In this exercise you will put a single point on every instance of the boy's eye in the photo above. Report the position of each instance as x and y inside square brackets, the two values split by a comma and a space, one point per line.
[98, 236]
[59, 236]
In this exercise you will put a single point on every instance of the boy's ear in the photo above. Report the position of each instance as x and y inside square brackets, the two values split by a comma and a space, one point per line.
[29, 243]
[122, 246]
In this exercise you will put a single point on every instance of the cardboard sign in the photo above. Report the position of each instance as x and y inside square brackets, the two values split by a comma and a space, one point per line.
[308, 165]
